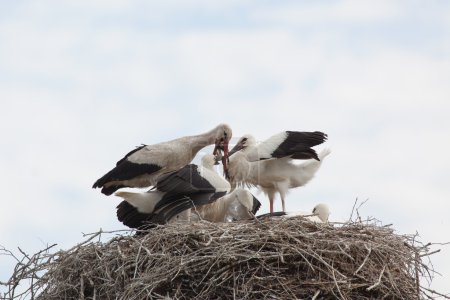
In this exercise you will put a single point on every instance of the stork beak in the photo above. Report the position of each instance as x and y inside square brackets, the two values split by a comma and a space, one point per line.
[236, 148]
[216, 148]
[225, 159]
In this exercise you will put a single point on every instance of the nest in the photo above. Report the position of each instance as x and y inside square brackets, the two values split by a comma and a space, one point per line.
[258, 259]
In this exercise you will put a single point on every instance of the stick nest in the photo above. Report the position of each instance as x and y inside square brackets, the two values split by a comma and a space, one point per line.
[257, 259]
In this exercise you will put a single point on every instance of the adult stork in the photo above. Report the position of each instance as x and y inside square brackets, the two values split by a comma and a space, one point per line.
[320, 214]
[142, 166]
[273, 175]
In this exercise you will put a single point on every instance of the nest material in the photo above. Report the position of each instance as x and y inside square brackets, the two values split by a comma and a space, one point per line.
[267, 259]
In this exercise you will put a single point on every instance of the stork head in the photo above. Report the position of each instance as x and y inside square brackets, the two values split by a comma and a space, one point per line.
[247, 140]
[208, 161]
[223, 134]
[322, 211]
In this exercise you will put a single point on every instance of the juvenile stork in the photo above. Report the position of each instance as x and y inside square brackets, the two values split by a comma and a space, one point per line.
[142, 166]
[275, 175]
[240, 204]
[236, 205]
[174, 193]
[320, 214]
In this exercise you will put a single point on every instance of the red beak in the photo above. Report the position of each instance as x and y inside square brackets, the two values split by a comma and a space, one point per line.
[225, 159]
[216, 148]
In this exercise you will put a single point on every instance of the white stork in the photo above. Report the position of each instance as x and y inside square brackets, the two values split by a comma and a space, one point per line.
[173, 194]
[191, 189]
[142, 166]
[293, 144]
[274, 175]
[320, 214]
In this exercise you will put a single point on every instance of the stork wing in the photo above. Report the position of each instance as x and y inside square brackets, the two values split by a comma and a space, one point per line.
[140, 161]
[185, 181]
[256, 205]
[295, 144]
[131, 217]
[176, 206]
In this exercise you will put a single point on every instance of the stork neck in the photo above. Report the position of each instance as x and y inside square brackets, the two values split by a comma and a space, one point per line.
[202, 140]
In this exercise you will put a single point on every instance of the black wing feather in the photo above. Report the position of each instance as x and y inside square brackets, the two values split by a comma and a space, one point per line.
[298, 145]
[176, 206]
[126, 170]
[256, 205]
[186, 181]
[131, 217]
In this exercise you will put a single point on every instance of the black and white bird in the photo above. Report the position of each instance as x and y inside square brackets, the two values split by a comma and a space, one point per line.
[320, 214]
[293, 144]
[144, 165]
[275, 175]
[174, 193]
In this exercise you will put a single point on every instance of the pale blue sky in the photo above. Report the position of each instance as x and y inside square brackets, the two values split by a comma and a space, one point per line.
[83, 82]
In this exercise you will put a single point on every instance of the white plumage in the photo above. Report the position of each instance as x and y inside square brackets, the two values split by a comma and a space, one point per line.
[240, 204]
[319, 214]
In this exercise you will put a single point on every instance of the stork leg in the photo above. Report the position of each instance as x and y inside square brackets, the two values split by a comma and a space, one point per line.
[271, 203]
[271, 195]
[282, 188]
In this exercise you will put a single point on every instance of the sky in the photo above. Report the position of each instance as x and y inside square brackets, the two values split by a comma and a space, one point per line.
[84, 82]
